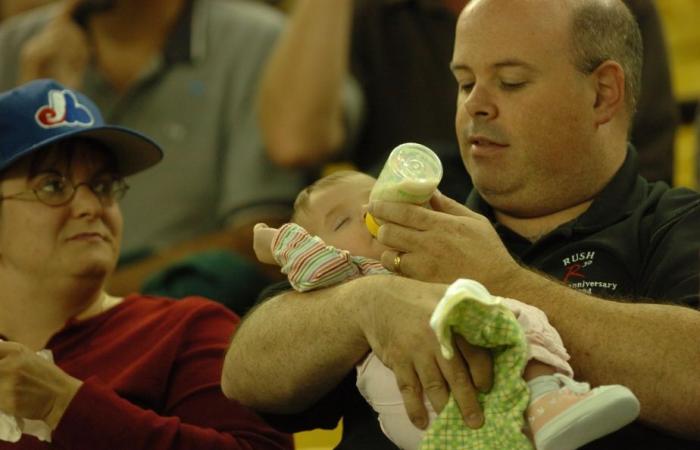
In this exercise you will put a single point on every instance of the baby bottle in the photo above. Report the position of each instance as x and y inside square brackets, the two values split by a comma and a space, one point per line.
[411, 174]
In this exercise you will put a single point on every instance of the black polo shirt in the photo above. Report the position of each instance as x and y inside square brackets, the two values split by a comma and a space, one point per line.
[637, 241]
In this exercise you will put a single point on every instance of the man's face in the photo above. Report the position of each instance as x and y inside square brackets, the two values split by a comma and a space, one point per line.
[524, 117]
[335, 215]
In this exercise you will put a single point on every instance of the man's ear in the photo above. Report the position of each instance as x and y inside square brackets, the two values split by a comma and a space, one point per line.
[609, 85]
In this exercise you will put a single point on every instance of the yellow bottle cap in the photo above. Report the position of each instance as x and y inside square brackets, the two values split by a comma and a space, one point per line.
[372, 224]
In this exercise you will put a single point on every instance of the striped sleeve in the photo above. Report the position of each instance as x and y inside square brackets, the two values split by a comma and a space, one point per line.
[308, 262]
[370, 266]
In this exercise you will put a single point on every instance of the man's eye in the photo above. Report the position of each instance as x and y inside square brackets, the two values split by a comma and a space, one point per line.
[466, 87]
[512, 86]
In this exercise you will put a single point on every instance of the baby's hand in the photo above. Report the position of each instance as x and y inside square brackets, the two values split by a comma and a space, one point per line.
[262, 243]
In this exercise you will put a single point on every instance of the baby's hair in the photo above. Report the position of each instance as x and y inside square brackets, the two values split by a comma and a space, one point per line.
[301, 204]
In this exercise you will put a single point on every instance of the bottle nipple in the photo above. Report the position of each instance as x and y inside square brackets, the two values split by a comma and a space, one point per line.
[371, 224]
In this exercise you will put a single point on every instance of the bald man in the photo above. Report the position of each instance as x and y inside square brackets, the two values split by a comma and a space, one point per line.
[559, 219]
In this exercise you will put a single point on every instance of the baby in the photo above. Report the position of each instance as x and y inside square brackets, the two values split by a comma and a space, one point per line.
[328, 243]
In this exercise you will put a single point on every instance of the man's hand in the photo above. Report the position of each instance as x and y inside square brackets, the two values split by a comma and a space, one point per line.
[32, 387]
[397, 329]
[262, 243]
[60, 51]
[444, 244]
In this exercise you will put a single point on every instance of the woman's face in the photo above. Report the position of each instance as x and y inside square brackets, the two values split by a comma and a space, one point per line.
[79, 239]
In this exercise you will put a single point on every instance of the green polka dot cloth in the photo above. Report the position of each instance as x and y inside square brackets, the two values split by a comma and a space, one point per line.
[468, 309]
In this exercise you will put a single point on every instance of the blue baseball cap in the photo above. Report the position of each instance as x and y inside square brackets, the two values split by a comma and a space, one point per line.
[44, 112]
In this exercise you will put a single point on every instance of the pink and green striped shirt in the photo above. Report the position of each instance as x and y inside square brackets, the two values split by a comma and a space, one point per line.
[311, 264]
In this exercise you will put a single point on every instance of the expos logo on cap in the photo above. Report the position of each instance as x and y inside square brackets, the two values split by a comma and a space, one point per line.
[63, 110]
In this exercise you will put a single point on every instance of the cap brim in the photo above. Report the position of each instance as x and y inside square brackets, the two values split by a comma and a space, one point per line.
[133, 151]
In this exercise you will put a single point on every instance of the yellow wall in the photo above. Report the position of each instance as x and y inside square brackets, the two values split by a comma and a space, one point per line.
[318, 439]
[681, 20]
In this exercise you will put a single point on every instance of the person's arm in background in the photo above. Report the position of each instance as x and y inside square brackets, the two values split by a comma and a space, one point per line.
[43, 43]
[61, 50]
[9, 8]
[654, 127]
[301, 93]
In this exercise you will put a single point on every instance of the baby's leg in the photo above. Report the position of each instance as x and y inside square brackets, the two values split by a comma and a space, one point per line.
[564, 414]
[544, 343]
[536, 369]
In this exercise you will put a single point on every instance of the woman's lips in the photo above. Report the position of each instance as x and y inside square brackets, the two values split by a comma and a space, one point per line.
[87, 237]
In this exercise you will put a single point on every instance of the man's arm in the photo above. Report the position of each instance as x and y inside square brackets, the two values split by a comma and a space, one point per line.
[295, 348]
[654, 349]
[292, 349]
[300, 99]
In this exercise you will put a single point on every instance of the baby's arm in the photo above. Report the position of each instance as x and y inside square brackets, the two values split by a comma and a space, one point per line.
[308, 262]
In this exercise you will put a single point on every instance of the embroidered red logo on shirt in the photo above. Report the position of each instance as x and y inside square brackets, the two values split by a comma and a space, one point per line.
[573, 271]
[575, 264]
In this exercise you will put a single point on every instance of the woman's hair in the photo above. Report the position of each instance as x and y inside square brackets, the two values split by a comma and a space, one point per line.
[59, 152]
[64, 151]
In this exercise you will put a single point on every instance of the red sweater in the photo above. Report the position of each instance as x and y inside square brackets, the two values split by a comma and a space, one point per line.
[151, 369]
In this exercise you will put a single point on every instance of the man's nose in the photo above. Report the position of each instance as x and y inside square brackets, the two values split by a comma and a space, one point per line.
[480, 103]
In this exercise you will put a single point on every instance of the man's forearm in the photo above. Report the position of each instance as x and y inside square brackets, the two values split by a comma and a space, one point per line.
[294, 348]
[653, 349]
[300, 99]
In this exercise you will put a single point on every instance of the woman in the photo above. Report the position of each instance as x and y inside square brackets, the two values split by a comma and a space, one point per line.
[127, 373]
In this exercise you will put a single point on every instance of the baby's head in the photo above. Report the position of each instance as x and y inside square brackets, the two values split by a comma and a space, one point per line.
[331, 208]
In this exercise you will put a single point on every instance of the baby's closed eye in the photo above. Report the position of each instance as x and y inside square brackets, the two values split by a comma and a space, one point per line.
[340, 222]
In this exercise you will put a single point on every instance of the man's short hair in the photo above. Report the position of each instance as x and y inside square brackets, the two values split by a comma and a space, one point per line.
[606, 30]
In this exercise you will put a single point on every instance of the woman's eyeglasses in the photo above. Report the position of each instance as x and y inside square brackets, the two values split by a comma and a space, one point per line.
[57, 190]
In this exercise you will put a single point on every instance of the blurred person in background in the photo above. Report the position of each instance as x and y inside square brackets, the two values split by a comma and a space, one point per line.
[9, 8]
[186, 73]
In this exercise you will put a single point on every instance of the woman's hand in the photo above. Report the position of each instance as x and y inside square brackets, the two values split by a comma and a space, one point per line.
[32, 387]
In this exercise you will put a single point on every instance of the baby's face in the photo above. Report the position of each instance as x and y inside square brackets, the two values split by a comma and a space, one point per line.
[335, 215]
